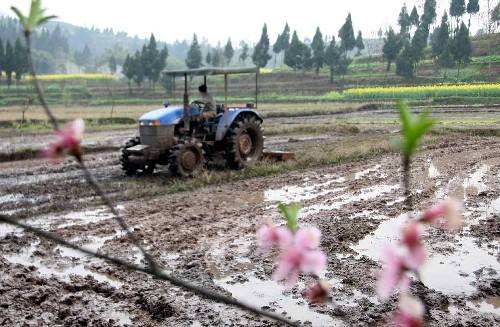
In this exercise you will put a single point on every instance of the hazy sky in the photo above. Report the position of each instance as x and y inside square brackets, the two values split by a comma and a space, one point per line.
[217, 20]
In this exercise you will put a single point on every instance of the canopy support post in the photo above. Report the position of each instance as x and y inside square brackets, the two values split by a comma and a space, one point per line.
[225, 92]
[186, 118]
[257, 88]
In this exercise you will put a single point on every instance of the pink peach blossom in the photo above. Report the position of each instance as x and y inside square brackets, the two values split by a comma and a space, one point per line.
[393, 274]
[296, 259]
[410, 312]
[308, 238]
[449, 210]
[68, 139]
[412, 240]
[269, 236]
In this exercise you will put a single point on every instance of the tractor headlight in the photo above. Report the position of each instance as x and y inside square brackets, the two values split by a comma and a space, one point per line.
[154, 123]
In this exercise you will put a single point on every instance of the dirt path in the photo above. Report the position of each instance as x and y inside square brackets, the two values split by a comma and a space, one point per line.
[208, 236]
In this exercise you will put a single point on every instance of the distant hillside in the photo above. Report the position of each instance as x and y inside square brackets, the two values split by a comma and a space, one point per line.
[57, 45]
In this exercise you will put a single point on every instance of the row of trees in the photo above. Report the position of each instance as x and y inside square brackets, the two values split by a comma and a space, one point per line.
[296, 54]
[451, 47]
[218, 57]
[13, 60]
[145, 65]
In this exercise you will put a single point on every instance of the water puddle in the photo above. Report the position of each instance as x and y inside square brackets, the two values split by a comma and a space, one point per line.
[475, 181]
[367, 172]
[387, 233]
[75, 218]
[433, 172]
[451, 266]
[9, 198]
[27, 258]
[487, 305]
[365, 194]
[121, 317]
[296, 193]
[94, 243]
[262, 293]
[85, 217]
[453, 273]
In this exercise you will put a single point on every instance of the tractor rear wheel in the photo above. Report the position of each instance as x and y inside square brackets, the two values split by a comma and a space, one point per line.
[129, 167]
[244, 143]
[186, 160]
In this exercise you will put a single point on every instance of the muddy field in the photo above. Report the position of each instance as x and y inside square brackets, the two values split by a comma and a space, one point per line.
[208, 236]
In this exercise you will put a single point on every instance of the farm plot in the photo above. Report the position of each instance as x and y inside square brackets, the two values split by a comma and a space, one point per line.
[207, 235]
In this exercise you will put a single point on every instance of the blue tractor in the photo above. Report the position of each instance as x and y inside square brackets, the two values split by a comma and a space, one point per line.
[180, 136]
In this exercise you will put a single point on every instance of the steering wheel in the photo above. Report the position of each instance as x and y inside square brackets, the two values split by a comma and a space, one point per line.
[199, 104]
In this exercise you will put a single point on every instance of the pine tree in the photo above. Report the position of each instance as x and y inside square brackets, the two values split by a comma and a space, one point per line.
[332, 56]
[298, 54]
[217, 57]
[419, 42]
[84, 59]
[404, 63]
[159, 64]
[260, 56]
[20, 60]
[138, 68]
[359, 43]
[472, 9]
[112, 64]
[318, 50]
[194, 56]
[457, 9]
[414, 17]
[244, 51]
[391, 48]
[228, 51]
[128, 70]
[150, 57]
[9, 62]
[429, 15]
[404, 21]
[208, 58]
[461, 47]
[346, 35]
[441, 37]
[2, 58]
[282, 42]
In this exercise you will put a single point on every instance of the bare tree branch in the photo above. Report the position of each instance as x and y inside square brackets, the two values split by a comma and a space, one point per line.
[157, 273]
[152, 269]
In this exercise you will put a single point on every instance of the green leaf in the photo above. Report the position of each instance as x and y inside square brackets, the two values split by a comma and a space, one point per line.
[413, 128]
[291, 214]
[35, 18]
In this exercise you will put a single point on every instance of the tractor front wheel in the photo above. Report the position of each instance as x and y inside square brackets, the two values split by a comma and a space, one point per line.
[186, 160]
[244, 143]
[129, 167]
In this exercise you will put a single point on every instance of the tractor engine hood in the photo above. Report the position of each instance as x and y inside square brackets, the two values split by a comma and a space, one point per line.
[165, 116]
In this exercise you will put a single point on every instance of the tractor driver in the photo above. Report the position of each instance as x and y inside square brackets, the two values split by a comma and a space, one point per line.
[208, 100]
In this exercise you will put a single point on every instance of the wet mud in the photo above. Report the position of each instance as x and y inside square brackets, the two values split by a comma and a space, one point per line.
[207, 236]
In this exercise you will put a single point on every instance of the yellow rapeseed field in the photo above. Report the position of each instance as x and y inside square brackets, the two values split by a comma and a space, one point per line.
[74, 77]
[425, 91]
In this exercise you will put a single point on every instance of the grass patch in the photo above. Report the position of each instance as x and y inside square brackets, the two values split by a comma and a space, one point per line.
[354, 150]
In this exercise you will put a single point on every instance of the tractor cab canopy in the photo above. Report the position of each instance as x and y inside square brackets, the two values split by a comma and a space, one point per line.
[214, 71]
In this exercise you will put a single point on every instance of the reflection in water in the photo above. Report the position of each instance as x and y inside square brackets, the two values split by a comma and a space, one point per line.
[27, 258]
[475, 180]
[261, 293]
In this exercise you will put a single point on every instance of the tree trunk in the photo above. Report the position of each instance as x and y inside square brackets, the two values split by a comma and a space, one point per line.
[331, 75]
